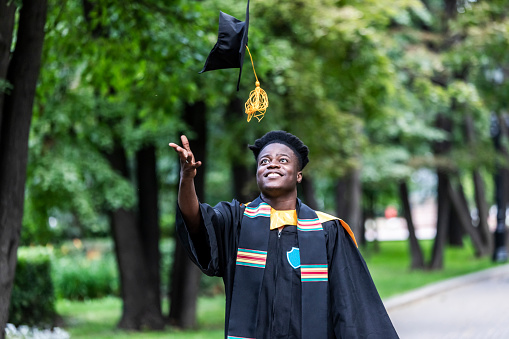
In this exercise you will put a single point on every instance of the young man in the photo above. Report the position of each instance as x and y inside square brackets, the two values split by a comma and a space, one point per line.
[289, 271]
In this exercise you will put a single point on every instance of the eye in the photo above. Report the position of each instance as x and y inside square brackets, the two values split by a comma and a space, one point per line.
[284, 160]
[264, 161]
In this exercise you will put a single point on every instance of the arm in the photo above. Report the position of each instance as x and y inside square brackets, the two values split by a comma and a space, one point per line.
[187, 199]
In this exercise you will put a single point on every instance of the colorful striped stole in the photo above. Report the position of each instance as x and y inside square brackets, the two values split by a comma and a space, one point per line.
[310, 273]
[251, 258]
[249, 269]
[313, 274]
[250, 265]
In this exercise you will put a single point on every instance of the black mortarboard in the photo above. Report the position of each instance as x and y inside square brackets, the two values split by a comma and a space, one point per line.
[228, 52]
[285, 138]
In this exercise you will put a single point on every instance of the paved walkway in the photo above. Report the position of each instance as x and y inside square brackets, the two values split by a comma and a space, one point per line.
[475, 306]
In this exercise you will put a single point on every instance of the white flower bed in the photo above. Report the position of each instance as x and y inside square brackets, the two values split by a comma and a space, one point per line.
[25, 332]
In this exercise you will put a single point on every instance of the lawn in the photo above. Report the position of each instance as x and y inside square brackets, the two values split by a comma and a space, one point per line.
[389, 266]
[390, 270]
[96, 319]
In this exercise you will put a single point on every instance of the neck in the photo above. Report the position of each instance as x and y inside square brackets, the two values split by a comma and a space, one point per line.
[281, 202]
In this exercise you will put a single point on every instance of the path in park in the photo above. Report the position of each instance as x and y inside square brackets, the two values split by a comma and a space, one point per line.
[475, 306]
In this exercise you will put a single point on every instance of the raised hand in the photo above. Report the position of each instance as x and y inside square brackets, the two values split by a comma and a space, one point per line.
[187, 199]
[188, 163]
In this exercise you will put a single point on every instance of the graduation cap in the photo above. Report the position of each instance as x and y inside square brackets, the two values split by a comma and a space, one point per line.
[229, 51]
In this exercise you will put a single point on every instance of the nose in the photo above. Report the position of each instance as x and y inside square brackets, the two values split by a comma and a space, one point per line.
[273, 164]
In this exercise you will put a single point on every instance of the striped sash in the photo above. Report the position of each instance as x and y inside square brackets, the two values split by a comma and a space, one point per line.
[313, 274]
[250, 265]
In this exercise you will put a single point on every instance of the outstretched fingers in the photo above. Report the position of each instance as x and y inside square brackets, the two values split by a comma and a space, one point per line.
[185, 142]
[185, 154]
[188, 153]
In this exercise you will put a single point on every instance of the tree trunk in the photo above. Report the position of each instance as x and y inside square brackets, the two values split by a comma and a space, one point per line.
[138, 310]
[368, 213]
[244, 183]
[455, 232]
[185, 286]
[308, 192]
[457, 227]
[479, 191]
[444, 209]
[141, 308]
[15, 116]
[148, 219]
[440, 149]
[185, 276]
[500, 251]
[499, 135]
[7, 11]
[417, 258]
[136, 246]
[348, 201]
[482, 210]
[465, 219]
[480, 197]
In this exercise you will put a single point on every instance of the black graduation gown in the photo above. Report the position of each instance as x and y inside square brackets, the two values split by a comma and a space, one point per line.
[354, 305]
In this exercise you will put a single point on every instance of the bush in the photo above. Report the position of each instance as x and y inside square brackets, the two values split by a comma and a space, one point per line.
[78, 277]
[33, 297]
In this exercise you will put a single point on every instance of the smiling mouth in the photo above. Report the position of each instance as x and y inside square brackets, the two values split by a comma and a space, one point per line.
[273, 175]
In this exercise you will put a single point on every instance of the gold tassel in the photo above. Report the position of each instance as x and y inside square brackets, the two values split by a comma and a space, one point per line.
[258, 101]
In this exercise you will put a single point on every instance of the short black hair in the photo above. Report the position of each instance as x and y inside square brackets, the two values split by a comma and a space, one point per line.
[285, 138]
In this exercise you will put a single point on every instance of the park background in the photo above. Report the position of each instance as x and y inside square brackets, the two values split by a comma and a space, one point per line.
[402, 104]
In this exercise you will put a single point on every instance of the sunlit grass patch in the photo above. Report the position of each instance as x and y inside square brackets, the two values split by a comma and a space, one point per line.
[98, 319]
[390, 266]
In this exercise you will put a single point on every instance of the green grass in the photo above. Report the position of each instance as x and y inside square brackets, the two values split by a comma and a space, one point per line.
[97, 319]
[389, 267]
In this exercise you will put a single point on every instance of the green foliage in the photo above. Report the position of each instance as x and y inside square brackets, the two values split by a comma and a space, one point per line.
[87, 270]
[384, 163]
[33, 297]
[79, 278]
[62, 179]
[360, 82]
[82, 272]
[108, 79]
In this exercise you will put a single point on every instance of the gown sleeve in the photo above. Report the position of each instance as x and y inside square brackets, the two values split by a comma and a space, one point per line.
[355, 305]
[213, 247]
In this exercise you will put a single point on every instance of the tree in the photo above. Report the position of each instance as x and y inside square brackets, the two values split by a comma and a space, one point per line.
[136, 239]
[485, 26]
[100, 113]
[440, 71]
[417, 258]
[18, 76]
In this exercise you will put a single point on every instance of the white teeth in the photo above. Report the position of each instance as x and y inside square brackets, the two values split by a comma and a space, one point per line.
[273, 175]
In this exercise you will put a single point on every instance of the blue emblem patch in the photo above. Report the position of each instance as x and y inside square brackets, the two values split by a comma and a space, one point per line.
[294, 257]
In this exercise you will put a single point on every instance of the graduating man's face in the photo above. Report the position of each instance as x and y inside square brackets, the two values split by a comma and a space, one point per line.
[278, 170]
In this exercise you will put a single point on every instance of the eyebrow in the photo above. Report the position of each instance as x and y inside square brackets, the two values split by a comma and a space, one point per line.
[277, 155]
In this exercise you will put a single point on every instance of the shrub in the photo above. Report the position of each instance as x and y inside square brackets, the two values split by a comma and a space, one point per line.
[78, 277]
[33, 297]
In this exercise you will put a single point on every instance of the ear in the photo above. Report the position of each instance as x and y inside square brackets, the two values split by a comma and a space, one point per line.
[299, 177]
